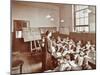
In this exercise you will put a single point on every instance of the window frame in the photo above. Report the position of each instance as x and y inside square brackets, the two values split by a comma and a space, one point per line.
[80, 25]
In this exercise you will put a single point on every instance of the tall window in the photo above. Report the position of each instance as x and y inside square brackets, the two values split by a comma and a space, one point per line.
[81, 18]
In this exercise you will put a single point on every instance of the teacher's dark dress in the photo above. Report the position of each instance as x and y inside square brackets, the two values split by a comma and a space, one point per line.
[47, 62]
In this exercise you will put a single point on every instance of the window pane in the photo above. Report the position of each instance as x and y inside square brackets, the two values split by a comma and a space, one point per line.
[77, 14]
[82, 14]
[82, 21]
[77, 22]
[86, 14]
[81, 18]
[77, 29]
[82, 29]
[77, 8]
[83, 7]
[86, 29]
[80, 7]
[86, 20]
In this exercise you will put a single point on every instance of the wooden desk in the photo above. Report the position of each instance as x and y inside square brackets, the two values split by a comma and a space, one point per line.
[17, 65]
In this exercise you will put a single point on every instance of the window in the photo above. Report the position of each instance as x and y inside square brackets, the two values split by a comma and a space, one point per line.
[81, 18]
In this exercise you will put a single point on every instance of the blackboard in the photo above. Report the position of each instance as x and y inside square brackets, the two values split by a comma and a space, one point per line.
[31, 34]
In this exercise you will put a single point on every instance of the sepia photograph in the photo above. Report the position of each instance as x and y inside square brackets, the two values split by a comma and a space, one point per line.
[52, 37]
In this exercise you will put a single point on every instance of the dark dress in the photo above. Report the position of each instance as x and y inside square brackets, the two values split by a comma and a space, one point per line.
[47, 61]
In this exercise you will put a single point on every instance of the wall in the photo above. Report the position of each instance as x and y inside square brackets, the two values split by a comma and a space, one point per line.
[92, 19]
[66, 15]
[83, 37]
[36, 13]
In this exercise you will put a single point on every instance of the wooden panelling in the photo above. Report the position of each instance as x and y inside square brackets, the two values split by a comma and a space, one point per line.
[18, 44]
[83, 37]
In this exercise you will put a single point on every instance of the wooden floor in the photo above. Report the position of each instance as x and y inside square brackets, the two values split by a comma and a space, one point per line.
[32, 62]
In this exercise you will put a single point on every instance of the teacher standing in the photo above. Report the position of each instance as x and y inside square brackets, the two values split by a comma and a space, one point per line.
[47, 61]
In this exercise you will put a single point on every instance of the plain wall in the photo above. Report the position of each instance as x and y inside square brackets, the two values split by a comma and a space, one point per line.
[66, 15]
[36, 13]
